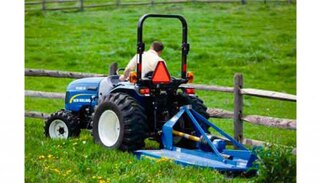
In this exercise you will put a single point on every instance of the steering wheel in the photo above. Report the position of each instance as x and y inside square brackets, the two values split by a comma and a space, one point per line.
[119, 70]
[149, 75]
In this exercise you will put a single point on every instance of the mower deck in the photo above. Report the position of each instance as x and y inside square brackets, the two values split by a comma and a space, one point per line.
[203, 159]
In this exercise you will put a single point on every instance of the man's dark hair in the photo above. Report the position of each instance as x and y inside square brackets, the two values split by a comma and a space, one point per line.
[157, 46]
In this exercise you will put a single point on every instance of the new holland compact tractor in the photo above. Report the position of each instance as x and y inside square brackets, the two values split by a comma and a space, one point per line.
[122, 115]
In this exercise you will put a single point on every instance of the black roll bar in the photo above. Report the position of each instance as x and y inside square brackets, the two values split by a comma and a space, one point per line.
[184, 47]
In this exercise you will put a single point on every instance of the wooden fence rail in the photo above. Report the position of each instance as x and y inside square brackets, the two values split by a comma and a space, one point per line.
[82, 4]
[59, 74]
[237, 115]
[268, 94]
[249, 142]
[41, 115]
[214, 112]
[40, 94]
[35, 114]
[251, 92]
[50, 1]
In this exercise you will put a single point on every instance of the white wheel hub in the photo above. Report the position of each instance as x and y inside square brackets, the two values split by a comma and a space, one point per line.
[58, 129]
[109, 128]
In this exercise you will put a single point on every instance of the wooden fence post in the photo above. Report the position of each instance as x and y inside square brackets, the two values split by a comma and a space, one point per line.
[81, 5]
[238, 105]
[43, 5]
[118, 2]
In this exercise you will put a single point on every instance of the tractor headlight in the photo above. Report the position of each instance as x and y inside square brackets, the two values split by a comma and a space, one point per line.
[133, 78]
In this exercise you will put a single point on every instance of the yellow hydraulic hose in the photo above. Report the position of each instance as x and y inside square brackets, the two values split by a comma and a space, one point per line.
[187, 136]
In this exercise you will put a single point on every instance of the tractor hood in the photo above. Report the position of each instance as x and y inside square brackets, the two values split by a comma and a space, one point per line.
[85, 84]
[82, 92]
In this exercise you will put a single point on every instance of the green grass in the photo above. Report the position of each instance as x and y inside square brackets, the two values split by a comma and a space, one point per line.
[81, 160]
[257, 40]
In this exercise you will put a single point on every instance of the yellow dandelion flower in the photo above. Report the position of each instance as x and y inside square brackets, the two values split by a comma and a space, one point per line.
[41, 157]
[68, 171]
[99, 177]
[56, 170]
[163, 159]
[50, 156]
[94, 177]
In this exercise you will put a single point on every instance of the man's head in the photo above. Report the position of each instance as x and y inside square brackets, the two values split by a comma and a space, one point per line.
[157, 46]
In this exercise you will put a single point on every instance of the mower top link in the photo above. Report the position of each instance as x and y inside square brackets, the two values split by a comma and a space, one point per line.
[121, 115]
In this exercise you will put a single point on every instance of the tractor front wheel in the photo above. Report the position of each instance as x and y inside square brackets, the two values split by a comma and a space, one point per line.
[62, 124]
[120, 123]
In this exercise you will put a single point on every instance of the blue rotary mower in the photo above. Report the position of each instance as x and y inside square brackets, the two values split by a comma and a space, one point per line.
[210, 151]
[122, 114]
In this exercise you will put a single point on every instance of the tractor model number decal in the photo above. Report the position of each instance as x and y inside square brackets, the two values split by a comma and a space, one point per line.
[81, 88]
[76, 100]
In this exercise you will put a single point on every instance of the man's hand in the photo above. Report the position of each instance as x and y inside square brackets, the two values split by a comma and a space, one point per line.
[125, 75]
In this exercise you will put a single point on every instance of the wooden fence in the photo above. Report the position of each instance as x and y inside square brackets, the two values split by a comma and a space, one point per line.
[83, 4]
[237, 90]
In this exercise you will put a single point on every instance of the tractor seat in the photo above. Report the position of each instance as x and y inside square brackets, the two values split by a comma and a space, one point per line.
[106, 85]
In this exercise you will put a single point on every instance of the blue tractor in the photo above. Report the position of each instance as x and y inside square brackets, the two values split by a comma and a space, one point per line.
[122, 115]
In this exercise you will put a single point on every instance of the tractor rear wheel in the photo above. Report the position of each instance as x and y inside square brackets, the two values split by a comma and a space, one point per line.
[120, 123]
[62, 124]
[197, 105]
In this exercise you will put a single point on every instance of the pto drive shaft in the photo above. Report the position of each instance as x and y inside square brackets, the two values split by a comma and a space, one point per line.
[198, 139]
[187, 136]
[192, 137]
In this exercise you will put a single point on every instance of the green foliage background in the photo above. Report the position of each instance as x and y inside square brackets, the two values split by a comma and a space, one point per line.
[258, 40]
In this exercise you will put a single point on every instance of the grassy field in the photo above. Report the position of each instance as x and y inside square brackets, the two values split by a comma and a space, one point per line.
[257, 40]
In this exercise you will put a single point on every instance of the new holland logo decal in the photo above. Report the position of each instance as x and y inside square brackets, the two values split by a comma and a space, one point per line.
[76, 100]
